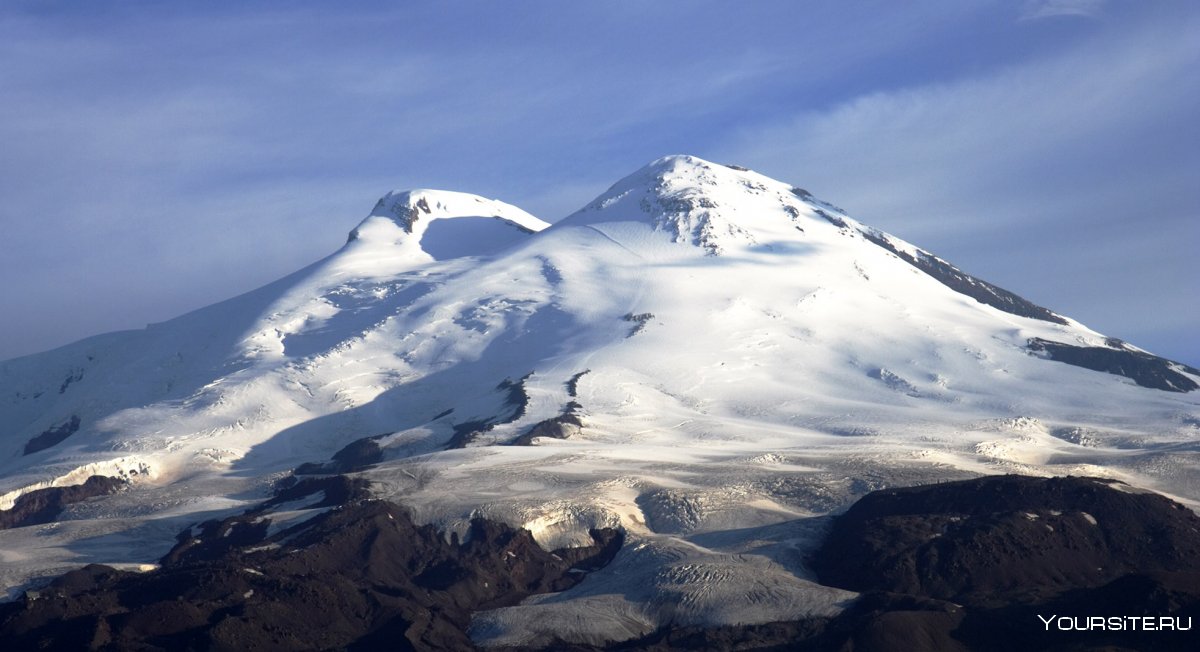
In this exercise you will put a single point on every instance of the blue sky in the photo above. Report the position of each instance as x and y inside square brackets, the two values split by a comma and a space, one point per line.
[158, 157]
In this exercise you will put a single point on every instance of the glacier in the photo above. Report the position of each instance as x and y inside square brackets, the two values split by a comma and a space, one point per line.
[738, 359]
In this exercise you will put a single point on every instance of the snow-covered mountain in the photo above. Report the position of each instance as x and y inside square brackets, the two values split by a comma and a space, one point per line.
[701, 356]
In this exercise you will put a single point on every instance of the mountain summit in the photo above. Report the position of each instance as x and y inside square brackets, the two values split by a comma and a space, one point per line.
[443, 224]
[708, 205]
[696, 357]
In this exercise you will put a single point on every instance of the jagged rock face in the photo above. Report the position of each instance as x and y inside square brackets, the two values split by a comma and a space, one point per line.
[358, 576]
[1117, 358]
[1002, 539]
[982, 564]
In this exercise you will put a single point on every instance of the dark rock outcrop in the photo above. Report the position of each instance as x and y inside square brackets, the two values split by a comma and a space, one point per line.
[956, 566]
[573, 383]
[467, 431]
[1000, 539]
[215, 539]
[53, 436]
[355, 456]
[44, 505]
[76, 376]
[360, 576]
[984, 558]
[1143, 368]
[559, 427]
[515, 397]
[639, 321]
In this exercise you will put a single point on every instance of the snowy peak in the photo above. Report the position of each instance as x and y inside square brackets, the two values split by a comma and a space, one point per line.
[410, 208]
[723, 207]
[700, 350]
[441, 224]
[712, 206]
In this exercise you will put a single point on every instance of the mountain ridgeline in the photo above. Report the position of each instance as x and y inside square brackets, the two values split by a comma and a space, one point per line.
[702, 363]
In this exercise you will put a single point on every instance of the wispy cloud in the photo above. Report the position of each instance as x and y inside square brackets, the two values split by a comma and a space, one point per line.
[1040, 176]
[1036, 9]
[161, 158]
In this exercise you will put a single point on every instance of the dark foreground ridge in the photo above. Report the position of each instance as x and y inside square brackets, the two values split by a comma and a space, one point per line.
[992, 564]
[972, 565]
[998, 539]
[359, 576]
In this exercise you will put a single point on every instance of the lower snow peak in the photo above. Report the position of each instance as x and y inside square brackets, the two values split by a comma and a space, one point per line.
[444, 224]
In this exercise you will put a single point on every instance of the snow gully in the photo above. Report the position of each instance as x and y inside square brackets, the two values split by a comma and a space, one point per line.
[1117, 623]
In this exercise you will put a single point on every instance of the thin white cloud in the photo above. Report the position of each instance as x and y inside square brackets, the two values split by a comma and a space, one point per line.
[1036, 9]
[126, 136]
[1030, 175]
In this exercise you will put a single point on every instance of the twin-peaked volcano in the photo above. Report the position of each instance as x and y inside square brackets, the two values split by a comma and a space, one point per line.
[697, 355]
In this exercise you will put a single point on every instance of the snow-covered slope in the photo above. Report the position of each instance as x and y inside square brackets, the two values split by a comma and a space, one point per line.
[702, 355]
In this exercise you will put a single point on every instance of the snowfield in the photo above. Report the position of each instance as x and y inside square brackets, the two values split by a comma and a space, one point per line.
[741, 358]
